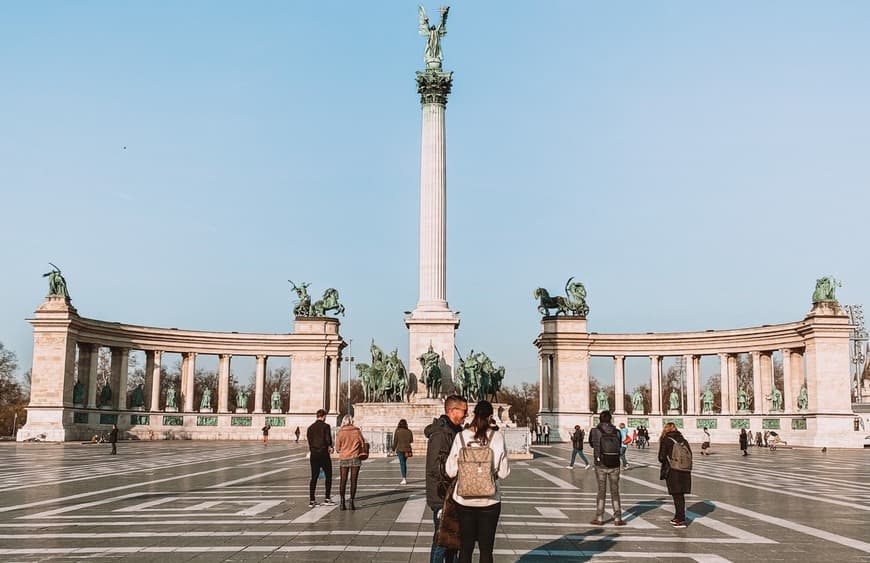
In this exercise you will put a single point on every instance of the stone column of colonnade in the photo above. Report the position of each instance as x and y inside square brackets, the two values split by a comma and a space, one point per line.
[120, 359]
[655, 375]
[153, 361]
[259, 384]
[696, 371]
[224, 383]
[757, 393]
[619, 384]
[188, 370]
[691, 389]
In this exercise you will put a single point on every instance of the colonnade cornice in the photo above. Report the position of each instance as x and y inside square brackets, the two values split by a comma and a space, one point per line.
[113, 334]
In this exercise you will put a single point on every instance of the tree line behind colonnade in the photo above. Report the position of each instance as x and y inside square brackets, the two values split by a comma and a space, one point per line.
[674, 378]
[14, 394]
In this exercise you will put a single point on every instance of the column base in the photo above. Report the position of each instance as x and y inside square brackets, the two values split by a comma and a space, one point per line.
[241, 411]
[170, 409]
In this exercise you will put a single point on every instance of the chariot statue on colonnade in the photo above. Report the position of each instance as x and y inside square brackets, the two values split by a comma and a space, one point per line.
[574, 304]
[305, 308]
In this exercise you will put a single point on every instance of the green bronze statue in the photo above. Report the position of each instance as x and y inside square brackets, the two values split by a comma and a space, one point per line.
[386, 379]
[171, 400]
[825, 289]
[674, 400]
[276, 400]
[803, 399]
[432, 55]
[574, 303]
[430, 375]
[205, 403]
[138, 398]
[742, 399]
[56, 283]
[707, 402]
[328, 303]
[78, 393]
[601, 400]
[637, 402]
[106, 396]
[303, 305]
[477, 378]
[776, 399]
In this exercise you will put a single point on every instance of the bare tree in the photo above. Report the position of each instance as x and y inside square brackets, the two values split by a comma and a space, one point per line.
[524, 401]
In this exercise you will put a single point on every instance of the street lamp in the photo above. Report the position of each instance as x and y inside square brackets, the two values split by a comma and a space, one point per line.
[350, 370]
[857, 340]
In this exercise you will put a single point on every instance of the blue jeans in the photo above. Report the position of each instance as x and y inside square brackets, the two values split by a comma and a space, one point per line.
[622, 456]
[403, 464]
[440, 554]
[574, 454]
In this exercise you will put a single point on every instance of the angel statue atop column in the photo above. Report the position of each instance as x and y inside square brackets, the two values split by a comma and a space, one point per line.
[432, 54]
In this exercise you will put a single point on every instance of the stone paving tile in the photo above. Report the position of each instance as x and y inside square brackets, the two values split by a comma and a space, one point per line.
[190, 501]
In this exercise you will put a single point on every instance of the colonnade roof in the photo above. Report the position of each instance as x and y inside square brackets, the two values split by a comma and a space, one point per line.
[766, 338]
[312, 335]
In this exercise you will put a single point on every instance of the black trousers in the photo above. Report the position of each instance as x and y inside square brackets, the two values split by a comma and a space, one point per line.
[477, 525]
[679, 506]
[318, 462]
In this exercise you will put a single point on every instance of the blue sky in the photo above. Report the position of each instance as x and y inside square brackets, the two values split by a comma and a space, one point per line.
[696, 165]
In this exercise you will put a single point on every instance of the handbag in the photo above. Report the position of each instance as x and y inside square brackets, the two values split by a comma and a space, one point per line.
[409, 453]
[364, 454]
[448, 523]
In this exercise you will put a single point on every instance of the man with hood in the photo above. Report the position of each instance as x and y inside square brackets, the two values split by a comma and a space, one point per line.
[440, 434]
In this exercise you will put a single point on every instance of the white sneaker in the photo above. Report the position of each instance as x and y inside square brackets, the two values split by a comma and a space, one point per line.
[569, 467]
[587, 466]
[403, 482]
[328, 502]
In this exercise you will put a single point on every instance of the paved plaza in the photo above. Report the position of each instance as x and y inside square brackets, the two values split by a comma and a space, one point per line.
[231, 501]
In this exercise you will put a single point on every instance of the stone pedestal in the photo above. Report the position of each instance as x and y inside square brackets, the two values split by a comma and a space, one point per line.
[673, 412]
[241, 411]
[170, 409]
[276, 411]
[639, 412]
[206, 410]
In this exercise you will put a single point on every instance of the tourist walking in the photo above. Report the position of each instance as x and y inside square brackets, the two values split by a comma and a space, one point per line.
[478, 516]
[577, 447]
[351, 447]
[440, 434]
[402, 440]
[297, 434]
[266, 434]
[547, 433]
[623, 444]
[605, 443]
[675, 457]
[113, 438]
[705, 442]
[320, 447]
[744, 441]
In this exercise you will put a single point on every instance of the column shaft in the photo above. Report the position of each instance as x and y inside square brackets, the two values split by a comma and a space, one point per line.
[120, 358]
[224, 383]
[91, 399]
[188, 374]
[260, 381]
[691, 392]
[788, 392]
[758, 406]
[619, 384]
[433, 209]
[655, 383]
[155, 357]
[84, 367]
[724, 385]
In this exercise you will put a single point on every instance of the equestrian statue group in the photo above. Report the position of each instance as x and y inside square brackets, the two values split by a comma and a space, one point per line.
[385, 380]
[477, 379]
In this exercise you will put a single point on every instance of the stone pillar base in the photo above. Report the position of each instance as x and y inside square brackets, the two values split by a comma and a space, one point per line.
[208, 410]
[276, 411]
[171, 409]
[641, 412]
[241, 411]
[673, 412]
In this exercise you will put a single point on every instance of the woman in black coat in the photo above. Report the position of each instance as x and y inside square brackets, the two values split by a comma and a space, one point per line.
[744, 441]
[679, 482]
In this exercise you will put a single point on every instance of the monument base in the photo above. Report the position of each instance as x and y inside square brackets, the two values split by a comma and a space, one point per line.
[241, 411]
[673, 412]
[639, 412]
[170, 409]
[206, 410]
[276, 411]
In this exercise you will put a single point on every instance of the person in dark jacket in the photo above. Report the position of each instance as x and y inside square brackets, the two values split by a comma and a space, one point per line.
[679, 482]
[320, 447]
[402, 440]
[744, 441]
[440, 434]
[113, 438]
[605, 473]
[577, 443]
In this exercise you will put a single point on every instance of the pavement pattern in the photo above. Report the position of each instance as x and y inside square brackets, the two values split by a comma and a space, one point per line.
[184, 501]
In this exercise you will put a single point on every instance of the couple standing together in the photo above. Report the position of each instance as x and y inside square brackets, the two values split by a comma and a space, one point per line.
[473, 520]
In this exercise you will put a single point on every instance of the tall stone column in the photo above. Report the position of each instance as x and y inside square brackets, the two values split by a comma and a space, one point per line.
[335, 385]
[91, 397]
[724, 385]
[619, 384]
[767, 382]
[259, 384]
[757, 393]
[120, 361]
[655, 376]
[696, 370]
[432, 322]
[84, 367]
[788, 392]
[691, 390]
[188, 371]
[153, 365]
[224, 383]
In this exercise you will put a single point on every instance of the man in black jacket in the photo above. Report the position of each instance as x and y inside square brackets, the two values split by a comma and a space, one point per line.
[320, 445]
[113, 438]
[606, 442]
[440, 434]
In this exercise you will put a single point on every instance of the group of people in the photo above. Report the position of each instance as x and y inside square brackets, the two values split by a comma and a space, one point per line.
[541, 434]
[608, 446]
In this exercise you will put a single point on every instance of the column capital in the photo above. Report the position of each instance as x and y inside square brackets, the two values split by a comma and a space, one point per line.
[224, 356]
[261, 357]
[434, 86]
[619, 357]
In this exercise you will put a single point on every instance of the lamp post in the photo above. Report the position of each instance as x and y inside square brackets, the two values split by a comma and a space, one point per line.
[857, 340]
[350, 370]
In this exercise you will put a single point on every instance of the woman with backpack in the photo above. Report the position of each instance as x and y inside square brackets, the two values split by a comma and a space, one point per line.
[478, 514]
[675, 455]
